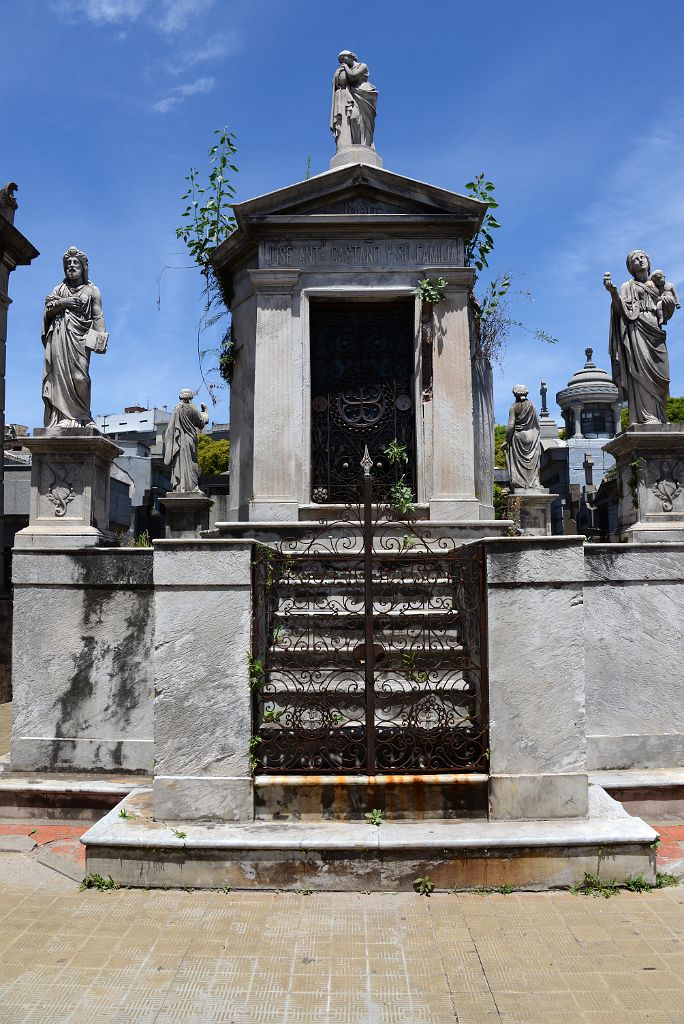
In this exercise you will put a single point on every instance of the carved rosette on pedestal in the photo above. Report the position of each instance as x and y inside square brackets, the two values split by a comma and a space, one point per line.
[650, 474]
[70, 469]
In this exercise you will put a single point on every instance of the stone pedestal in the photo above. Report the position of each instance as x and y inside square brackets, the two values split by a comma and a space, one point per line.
[356, 155]
[650, 474]
[203, 703]
[187, 514]
[531, 512]
[69, 489]
[538, 763]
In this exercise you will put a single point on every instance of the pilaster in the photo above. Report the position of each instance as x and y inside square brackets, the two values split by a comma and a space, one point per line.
[453, 474]
[275, 496]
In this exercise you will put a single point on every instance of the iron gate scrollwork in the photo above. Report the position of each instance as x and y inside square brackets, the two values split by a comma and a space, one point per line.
[369, 649]
[362, 394]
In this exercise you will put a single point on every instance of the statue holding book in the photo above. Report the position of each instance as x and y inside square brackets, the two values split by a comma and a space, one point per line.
[73, 327]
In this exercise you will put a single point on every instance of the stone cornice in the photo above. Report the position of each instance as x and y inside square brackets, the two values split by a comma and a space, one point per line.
[273, 281]
[15, 244]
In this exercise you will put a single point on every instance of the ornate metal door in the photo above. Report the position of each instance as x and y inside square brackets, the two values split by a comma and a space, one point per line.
[362, 394]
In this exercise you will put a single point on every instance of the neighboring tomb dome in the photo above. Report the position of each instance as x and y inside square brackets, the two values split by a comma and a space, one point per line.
[590, 404]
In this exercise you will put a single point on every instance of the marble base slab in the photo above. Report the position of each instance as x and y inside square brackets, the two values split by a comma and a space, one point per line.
[650, 475]
[187, 514]
[531, 512]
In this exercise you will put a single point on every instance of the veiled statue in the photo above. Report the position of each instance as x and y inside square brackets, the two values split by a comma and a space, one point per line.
[638, 354]
[180, 443]
[523, 446]
[73, 327]
[354, 103]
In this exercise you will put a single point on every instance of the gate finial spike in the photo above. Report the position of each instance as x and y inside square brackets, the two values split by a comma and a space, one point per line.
[366, 462]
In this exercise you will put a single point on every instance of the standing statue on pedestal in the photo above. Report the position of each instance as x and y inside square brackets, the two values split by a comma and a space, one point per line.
[354, 102]
[73, 327]
[638, 353]
[180, 443]
[523, 447]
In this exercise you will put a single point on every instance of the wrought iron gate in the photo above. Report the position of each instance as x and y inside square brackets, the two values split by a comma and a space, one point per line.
[369, 651]
[362, 394]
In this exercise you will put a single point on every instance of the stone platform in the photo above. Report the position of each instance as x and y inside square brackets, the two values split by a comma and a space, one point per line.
[359, 857]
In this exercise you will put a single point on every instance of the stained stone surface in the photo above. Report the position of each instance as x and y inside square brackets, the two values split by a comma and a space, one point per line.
[82, 661]
[536, 685]
[634, 605]
[202, 708]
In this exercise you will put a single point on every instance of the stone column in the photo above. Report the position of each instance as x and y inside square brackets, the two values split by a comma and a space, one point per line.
[577, 412]
[537, 733]
[453, 464]
[274, 486]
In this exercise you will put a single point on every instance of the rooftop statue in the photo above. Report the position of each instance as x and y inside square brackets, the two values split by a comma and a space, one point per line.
[73, 327]
[523, 447]
[354, 102]
[180, 443]
[639, 310]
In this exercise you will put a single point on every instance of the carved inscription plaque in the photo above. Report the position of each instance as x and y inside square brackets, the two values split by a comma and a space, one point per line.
[332, 253]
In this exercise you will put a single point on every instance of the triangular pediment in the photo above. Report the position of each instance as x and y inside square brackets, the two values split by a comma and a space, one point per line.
[346, 199]
[359, 189]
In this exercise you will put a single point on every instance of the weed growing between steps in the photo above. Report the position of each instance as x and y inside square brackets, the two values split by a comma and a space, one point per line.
[98, 882]
[592, 885]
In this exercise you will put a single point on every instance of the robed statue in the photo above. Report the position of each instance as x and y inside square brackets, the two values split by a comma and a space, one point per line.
[638, 354]
[180, 443]
[354, 102]
[523, 446]
[73, 327]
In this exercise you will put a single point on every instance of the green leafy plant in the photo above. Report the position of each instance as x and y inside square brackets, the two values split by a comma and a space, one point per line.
[409, 665]
[213, 456]
[500, 502]
[127, 815]
[431, 293]
[95, 881]
[637, 883]
[374, 817]
[253, 747]
[655, 844]
[396, 453]
[337, 718]
[141, 541]
[407, 542]
[481, 244]
[179, 834]
[592, 885]
[256, 672]
[401, 498]
[272, 716]
[424, 885]
[663, 880]
[505, 889]
[208, 217]
[228, 355]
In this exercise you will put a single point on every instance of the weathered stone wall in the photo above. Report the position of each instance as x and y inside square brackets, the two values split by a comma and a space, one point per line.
[634, 636]
[536, 678]
[83, 660]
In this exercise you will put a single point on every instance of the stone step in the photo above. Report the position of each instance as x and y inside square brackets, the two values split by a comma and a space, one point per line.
[355, 856]
[28, 795]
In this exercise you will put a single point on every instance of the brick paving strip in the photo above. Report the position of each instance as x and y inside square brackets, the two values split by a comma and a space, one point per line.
[137, 957]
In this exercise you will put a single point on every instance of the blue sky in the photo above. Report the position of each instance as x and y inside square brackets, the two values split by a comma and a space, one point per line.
[574, 110]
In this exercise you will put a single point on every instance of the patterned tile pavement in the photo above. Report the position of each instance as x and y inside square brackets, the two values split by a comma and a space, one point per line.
[138, 957]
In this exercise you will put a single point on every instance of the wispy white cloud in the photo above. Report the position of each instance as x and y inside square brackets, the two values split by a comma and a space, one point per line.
[181, 92]
[639, 203]
[177, 15]
[219, 46]
[166, 16]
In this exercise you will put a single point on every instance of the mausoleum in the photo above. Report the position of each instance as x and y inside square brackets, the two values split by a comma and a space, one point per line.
[361, 635]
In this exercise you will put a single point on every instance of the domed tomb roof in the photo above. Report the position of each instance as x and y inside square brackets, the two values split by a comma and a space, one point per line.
[590, 384]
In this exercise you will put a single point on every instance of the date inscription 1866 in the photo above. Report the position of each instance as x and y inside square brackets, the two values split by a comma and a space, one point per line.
[343, 252]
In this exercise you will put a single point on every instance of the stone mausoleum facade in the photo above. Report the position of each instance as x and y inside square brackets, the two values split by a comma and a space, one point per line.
[291, 668]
